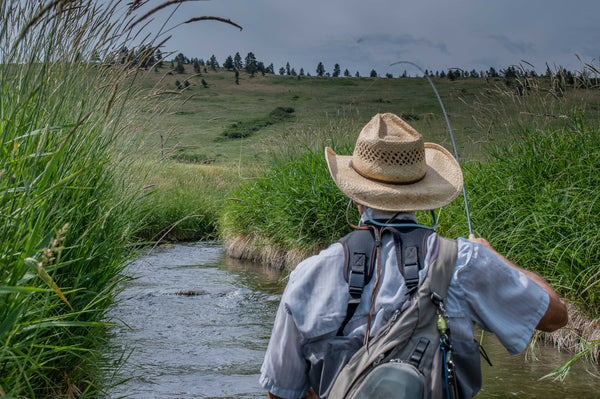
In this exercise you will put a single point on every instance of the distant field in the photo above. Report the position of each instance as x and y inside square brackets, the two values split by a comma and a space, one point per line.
[183, 148]
[195, 119]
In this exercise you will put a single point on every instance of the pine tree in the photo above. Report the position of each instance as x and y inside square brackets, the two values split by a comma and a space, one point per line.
[491, 73]
[320, 69]
[301, 72]
[346, 73]
[237, 61]
[260, 67]
[228, 64]
[373, 73]
[214, 64]
[270, 69]
[287, 69]
[159, 58]
[336, 70]
[180, 58]
[251, 65]
[282, 71]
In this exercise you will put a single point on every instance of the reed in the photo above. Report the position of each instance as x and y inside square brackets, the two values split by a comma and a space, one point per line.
[67, 199]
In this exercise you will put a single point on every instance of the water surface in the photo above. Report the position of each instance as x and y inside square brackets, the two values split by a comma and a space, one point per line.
[210, 344]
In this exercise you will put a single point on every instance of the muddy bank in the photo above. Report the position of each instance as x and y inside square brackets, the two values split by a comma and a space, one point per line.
[580, 329]
[255, 250]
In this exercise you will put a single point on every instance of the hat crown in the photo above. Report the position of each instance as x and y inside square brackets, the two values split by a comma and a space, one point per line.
[389, 150]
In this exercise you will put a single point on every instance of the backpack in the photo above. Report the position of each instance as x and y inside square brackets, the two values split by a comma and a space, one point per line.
[404, 359]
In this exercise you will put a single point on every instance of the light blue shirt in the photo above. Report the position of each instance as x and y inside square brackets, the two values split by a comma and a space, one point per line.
[483, 290]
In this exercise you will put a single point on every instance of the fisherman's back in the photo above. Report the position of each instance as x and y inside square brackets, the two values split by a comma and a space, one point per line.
[483, 290]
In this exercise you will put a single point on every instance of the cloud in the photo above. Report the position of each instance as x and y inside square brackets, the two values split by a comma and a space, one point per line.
[514, 47]
[400, 41]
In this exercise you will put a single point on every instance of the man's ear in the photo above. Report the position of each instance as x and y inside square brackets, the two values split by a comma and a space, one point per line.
[361, 208]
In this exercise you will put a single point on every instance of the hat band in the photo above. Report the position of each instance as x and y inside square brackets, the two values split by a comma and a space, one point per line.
[384, 181]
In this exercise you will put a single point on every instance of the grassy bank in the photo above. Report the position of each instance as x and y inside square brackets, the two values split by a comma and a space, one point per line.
[183, 201]
[532, 192]
[68, 201]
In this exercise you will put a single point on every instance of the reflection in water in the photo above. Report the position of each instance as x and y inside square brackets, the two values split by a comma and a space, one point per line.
[211, 345]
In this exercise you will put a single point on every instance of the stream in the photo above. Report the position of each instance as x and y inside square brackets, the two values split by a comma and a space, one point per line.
[194, 323]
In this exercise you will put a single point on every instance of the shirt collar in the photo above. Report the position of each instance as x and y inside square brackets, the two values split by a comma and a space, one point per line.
[377, 214]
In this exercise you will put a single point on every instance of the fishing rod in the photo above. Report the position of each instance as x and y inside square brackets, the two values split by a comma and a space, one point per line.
[449, 129]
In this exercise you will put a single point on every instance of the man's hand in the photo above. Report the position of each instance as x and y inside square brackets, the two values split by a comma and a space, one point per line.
[556, 315]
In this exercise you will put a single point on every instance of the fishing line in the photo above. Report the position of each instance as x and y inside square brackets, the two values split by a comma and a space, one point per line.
[449, 129]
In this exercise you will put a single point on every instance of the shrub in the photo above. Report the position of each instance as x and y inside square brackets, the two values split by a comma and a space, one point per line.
[246, 127]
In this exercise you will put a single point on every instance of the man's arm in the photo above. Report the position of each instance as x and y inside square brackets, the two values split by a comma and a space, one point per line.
[556, 315]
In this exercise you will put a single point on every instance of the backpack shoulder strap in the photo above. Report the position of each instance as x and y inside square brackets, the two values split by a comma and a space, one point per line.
[359, 260]
[411, 248]
[442, 266]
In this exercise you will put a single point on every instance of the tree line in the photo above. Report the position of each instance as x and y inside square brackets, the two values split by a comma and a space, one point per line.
[148, 57]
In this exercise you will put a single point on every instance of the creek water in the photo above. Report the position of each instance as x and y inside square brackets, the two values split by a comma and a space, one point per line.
[194, 323]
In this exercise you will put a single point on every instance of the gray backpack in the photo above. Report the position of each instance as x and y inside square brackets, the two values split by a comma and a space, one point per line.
[404, 359]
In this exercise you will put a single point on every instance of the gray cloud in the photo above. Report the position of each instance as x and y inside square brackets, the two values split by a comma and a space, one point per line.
[362, 35]
[401, 41]
[514, 47]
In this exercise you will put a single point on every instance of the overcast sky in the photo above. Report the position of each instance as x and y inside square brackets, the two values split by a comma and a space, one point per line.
[362, 35]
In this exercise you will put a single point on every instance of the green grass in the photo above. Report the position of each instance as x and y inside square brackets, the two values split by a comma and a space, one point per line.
[245, 128]
[183, 201]
[532, 189]
[67, 197]
[536, 200]
[294, 205]
[196, 118]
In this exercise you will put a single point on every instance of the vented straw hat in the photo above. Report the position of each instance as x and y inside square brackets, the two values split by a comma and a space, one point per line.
[392, 169]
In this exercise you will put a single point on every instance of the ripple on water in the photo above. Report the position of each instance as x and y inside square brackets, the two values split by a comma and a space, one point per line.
[209, 344]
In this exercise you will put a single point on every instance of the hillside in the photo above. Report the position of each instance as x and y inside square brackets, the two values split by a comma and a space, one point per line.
[197, 115]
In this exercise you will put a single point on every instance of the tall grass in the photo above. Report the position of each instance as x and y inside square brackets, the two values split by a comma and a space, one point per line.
[293, 208]
[67, 200]
[533, 193]
[536, 200]
[184, 200]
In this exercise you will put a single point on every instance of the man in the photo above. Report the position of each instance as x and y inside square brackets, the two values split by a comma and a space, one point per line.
[390, 175]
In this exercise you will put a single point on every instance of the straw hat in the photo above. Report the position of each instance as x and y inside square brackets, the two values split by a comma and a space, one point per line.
[392, 169]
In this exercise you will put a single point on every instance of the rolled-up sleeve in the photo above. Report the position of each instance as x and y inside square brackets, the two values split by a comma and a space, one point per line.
[283, 372]
[499, 298]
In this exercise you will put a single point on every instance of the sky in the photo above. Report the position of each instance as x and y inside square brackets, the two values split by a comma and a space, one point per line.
[362, 35]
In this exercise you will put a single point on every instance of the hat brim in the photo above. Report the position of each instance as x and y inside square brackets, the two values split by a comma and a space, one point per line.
[441, 185]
